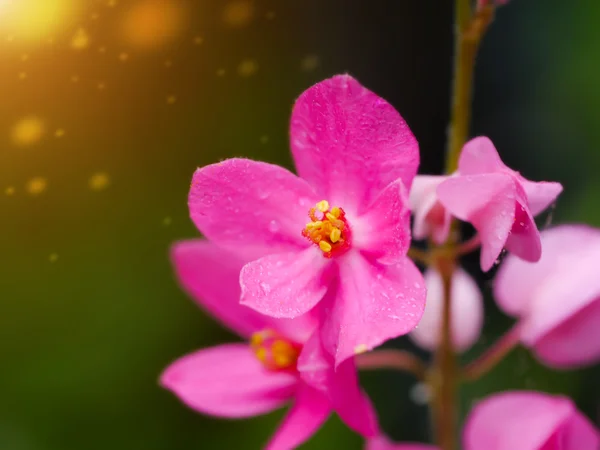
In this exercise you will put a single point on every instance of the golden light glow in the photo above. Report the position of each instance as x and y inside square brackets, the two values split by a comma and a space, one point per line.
[99, 181]
[27, 131]
[238, 13]
[247, 67]
[80, 40]
[34, 20]
[152, 23]
[36, 185]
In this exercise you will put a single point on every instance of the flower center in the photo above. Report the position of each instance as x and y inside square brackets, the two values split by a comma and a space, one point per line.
[328, 229]
[274, 351]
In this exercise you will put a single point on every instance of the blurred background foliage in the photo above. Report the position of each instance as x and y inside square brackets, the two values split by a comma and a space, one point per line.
[107, 108]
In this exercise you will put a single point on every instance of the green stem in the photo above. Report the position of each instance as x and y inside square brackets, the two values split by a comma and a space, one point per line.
[470, 27]
[392, 359]
[493, 355]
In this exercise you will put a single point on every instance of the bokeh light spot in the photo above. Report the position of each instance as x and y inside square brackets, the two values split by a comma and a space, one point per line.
[36, 185]
[309, 63]
[59, 133]
[247, 67]
[167, 221]
[53, 257]
[238, 13]
[27, 131]
[171, 99]
[80, 40]
[123, 57]
[10, 190]
[99, 181]
[149, 24]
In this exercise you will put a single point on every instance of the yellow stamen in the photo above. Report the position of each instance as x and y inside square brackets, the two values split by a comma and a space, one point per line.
[335, 235]
[323, 206]
[256, 339]
[261, 354]
[325, 246]
[335, 212]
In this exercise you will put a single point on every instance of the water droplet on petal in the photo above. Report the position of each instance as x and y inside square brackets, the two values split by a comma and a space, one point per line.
[273, 226]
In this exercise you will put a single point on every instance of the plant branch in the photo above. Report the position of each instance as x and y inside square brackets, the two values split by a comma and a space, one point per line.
[392, 359]
[493, 355]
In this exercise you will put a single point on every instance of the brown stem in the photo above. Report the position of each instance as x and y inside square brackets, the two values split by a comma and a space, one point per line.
[470, 27]
[492, 356]
[445, 368]
[392, 359]
[420, 256]
[469, 31]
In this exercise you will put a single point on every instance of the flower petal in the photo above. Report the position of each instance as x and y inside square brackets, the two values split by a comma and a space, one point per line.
[383, 443]
[285, 285]
[383, 232]
[310, 410]
[524, 238]
[258, 206]
[488, 202]
[577, 433]
[517, 281]
[430, 217]
[467, 311]
[557, 298]
[349, 143]
[210, 275]
[573, 343]
[340, 385]
[515, 421]
[478, 156]
[228, 381]
[540, 194]
[374, 303]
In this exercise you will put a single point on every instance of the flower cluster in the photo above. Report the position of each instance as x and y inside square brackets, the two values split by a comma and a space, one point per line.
[311, 270]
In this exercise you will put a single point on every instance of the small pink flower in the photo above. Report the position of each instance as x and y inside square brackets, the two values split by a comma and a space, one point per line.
[498, 202]
[431, 219]
[341, 228]
[466, 312]
[557, 299]
[528, 421]
[279, 362]
[383, 443]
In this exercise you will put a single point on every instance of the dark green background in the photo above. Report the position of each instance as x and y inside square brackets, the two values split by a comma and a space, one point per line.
[84, 338]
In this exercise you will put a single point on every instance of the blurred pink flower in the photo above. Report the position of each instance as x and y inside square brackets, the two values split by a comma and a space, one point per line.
[383, 443]
[279, 362]
[557, 299]
[528, 421]
[466, 312]
[497, 201]
[356, 158]
[431, 219]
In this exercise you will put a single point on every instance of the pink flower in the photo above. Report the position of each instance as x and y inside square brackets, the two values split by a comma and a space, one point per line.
[383, 443]
[431, 219]
[528, 421]
[278, 363]
[557, 300]
[341, 228]
[497, 201]
[466, 312]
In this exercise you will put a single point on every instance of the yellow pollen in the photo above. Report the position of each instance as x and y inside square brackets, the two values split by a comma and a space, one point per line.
[323, 206]
[274, 352]
[335, 235]
[335, 212]
[325, 246]
[261, 354]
